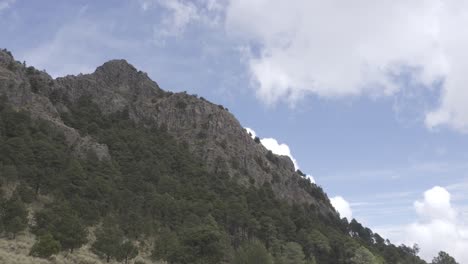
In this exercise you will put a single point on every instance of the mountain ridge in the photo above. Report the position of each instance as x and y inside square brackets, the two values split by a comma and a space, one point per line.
[117, 85]
[110, 165]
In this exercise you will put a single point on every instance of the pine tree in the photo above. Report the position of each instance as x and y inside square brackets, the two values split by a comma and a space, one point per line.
[126, 251]
[14, 216]
[108, 240]
[45, 246]
[253, 252]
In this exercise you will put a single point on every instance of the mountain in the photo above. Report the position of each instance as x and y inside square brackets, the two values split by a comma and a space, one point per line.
[213, 134]
[109, 167]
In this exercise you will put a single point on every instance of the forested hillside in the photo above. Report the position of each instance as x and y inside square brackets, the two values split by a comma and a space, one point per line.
[145, 194]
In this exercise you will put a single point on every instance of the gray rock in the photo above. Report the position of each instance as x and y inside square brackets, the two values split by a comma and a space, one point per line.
[211, 132]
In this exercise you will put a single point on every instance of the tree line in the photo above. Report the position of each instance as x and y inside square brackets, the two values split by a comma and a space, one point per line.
[153, 189]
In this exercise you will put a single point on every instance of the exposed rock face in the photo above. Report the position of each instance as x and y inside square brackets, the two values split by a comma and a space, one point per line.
[31, 90]
[210, 130]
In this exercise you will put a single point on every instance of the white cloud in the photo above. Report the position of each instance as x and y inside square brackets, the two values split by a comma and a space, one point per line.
[342, 206]
[436, 205]
[438, 227]
[180, 14]
[310, 177]
[276, 147]
[336, 49]
[5, 4]
[251, 132]
[279, 149]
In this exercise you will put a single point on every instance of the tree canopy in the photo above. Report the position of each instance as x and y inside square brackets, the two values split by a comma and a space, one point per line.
[153, 187]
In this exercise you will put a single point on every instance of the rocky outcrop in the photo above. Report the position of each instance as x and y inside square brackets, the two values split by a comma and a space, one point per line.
[31, 90]
[210, 131]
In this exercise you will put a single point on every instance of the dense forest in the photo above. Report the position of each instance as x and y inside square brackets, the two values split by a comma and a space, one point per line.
[153, 191]
[152, 195]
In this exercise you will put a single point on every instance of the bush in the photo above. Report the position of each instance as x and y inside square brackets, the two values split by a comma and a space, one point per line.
[253, 252]
[127, 251]
[14, 216]
[45, 247]
[64, 224]
[25, 192]
[108, 239]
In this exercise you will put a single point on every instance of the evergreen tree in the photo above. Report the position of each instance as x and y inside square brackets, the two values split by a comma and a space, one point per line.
[363, 256]
[14, 216]
[8, 173]
[108, 240]
[252, 252]
[444, 258]
[45, 246]
[291, 254]
[126, 251]
[203, 243]
[166, 246]
[64, 225]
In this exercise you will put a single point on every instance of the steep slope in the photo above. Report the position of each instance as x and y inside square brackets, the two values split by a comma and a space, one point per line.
[211, 131]
[108, 166]
[29, 89]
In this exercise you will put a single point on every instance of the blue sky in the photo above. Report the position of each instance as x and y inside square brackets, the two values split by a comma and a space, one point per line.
[369, 100]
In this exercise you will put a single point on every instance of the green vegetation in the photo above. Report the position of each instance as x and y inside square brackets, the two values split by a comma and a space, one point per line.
[444, 258]
[13, 216]
[108, 240]
[153, 188]
[252, 252]
[45, 246]
[63, 223]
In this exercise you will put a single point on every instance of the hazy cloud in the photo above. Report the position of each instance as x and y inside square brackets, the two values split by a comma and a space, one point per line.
[76, 47]
[178, 15]
[5, 4]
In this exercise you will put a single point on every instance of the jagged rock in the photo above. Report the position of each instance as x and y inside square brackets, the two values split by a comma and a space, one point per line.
[210, 131]
[18, 83]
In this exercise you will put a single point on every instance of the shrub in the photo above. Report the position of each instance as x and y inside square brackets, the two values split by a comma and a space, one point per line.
[14, 216]
[45, 247]
[25, 192]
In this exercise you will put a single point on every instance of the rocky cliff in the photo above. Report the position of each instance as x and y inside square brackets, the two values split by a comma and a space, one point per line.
[210, 130]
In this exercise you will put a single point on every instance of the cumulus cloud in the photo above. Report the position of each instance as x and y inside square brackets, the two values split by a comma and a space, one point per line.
[336, 49]
[251, 132]
[279, 149]
[436, 205]
[276, 147]
[310, 177]
[438, 227]
[342, 206]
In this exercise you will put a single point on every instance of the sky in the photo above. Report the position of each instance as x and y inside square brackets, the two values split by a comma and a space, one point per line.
[367, 97]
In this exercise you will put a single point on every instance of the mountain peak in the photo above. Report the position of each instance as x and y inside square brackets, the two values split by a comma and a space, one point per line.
[117, 69]
[117, 65]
